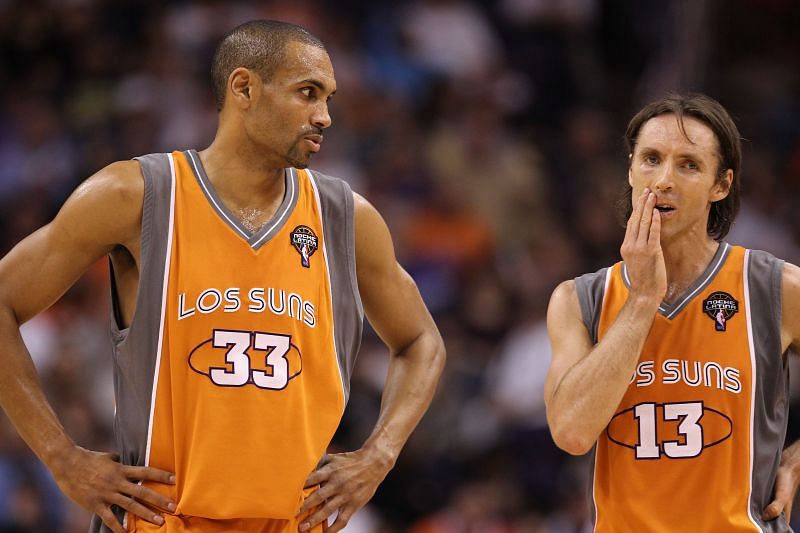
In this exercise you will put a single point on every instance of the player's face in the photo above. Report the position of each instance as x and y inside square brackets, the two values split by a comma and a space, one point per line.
[683, 172]
[292, 110]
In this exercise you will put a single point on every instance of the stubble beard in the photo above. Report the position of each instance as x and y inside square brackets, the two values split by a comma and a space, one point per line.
[297, 158]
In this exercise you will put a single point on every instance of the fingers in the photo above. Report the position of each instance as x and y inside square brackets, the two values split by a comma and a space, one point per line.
[318, 497]
[646, 218]
[322, 513]
[147, 495]
[787, 511]
[149, 473]
[782, 500]
[110, 520]
[773, 510]
[318, 476]
[632, 228]
[341, 521]
[132, 506]
[654, 239]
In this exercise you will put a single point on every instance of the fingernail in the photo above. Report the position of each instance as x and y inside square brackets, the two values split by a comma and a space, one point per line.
[171, 506]
[172, 479]
[304, 527]
[157, 519]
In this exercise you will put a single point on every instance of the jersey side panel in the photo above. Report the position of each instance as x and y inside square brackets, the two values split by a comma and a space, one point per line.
[336, 199]
[764, 278]
[134, 349]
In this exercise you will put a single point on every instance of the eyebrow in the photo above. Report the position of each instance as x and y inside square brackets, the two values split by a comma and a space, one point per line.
[318, 84]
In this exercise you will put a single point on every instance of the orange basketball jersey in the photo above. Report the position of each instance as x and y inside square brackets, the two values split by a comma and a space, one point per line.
[695, 443]
[235, 371]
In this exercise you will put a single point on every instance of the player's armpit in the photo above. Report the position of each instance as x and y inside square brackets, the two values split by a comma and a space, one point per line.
[103, 212]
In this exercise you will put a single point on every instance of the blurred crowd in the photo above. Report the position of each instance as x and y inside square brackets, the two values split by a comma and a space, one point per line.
[488, 134]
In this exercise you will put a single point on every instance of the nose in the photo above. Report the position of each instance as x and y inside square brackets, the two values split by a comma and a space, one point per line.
[321, 117]
[663, 181]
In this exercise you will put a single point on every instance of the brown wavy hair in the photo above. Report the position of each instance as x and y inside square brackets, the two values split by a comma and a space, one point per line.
[712, 114]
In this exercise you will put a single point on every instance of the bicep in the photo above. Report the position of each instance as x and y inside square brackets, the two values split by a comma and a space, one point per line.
[98, 216]
[391, 299]
[569, 338]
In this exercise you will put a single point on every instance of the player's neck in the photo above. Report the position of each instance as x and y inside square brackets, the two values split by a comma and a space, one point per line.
[240, 177]
[685, 260]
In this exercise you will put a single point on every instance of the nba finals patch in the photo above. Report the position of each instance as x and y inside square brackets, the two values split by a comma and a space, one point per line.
[305, 242]
[720, 307]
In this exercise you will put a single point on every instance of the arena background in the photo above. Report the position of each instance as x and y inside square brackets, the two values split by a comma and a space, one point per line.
[489, 134]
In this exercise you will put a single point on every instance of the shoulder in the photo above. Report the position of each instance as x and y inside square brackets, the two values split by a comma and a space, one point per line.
[790, 297]
[120, 182]
[791, 281]
[373, 240]
[107, 205]
[564, 300]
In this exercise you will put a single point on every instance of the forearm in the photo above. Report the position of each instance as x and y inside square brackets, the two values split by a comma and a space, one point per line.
[590, 392]
[22, 398]
[410, 386]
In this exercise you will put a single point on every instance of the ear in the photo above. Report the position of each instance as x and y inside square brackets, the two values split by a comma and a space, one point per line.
[722, 187]
[241, 87]
[630, 177]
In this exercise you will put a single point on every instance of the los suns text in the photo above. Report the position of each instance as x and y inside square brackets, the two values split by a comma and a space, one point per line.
[255, 300]
[692, 373]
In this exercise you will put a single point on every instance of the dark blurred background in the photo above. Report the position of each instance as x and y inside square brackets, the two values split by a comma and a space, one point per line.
[488, 133]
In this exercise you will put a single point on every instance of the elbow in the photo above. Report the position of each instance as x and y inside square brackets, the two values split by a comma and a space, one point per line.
[7, 314]
[570, 439]
[440, 354]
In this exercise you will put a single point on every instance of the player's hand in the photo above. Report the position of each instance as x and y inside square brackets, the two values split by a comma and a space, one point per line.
[641, 250]
[786, 484]
[96, 481]
[347, 482]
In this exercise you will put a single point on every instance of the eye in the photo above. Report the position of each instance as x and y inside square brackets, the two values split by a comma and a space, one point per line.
[308, 92]
[651, 159]
[691, 165]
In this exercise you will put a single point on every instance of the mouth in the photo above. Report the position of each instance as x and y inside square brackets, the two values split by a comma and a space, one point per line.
[665, 209]
[314, 142]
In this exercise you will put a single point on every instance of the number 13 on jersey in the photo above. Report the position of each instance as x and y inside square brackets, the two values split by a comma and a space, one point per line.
[679, 430]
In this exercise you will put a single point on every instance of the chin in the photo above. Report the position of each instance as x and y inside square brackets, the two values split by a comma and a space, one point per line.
[298, 161]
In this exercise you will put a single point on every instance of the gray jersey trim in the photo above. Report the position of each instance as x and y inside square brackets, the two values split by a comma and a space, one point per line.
[338, 224]
[670, 310]
[271, 227]
[763, 282]
[135, 349]
[591, 289]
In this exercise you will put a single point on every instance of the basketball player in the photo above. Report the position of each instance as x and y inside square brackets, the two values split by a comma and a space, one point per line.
[672, 362]
[239, 280]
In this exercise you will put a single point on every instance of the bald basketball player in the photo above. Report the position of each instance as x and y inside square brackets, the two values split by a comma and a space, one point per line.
[239, 282]
[671, 364]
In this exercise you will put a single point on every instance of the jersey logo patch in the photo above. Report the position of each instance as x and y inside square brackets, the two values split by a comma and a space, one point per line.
[305, 242]
[720, 307]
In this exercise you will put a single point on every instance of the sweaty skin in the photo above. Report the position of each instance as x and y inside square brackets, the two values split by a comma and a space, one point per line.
[264, 127]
